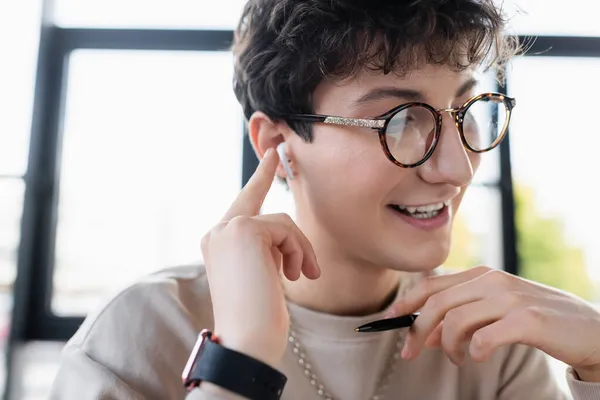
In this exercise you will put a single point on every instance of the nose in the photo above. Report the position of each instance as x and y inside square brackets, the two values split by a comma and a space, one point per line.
[450, 163]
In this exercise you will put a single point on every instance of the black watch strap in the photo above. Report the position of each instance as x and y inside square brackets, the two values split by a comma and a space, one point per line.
[238, 373]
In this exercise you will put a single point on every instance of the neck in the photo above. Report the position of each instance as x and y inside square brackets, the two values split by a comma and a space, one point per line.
[343, 290]
[346, 287]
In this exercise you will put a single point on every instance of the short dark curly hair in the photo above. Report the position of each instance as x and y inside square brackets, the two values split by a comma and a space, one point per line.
[284, 48]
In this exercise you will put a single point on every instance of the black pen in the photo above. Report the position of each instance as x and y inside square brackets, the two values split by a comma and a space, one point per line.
[389, 323]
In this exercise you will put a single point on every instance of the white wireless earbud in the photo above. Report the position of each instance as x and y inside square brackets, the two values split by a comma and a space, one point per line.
[281, 150]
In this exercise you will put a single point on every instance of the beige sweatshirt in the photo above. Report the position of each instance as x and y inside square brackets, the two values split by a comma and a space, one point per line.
[137, 345]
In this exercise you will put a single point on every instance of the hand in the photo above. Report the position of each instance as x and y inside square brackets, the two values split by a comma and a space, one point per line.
[243, 255]
[491, 308]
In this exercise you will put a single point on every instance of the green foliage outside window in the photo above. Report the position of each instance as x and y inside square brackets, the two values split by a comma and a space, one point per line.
[544, 253]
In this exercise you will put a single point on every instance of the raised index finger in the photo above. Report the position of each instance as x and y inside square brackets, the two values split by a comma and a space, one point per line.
[251, 197]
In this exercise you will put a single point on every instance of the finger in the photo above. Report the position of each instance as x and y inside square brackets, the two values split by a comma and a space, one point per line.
[277, 257]
[251, 197]
[417, 296]
[523, 326]
[282, 238]
[435, 338]
[292, 257]
[460, 323]
[438, 304]
[296, 260]
[310, 267]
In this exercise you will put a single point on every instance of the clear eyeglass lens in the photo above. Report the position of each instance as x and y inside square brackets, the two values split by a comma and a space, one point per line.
[485, 122]
[410, 134]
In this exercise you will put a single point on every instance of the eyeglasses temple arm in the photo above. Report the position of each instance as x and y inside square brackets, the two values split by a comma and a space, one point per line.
[307, 117]
[377, 123]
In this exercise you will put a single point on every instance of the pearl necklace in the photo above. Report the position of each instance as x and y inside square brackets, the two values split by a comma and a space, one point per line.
[317, 383]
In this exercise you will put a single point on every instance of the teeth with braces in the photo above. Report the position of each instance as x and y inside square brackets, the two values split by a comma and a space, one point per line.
[425, 215]
[426, 211]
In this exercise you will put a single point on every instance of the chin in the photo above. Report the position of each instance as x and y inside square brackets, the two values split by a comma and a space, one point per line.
[418, 258]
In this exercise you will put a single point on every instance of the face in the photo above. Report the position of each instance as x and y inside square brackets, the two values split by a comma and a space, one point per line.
[352, 198]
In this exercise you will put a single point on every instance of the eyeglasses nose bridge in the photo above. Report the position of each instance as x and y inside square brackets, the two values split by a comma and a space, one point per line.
[454, 112]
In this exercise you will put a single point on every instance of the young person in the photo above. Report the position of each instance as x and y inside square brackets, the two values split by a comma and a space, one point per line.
[382, 127]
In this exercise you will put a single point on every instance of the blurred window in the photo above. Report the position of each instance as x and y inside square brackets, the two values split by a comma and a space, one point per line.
[156, 14]
[151, 157]
[19, 38]
[554, 148]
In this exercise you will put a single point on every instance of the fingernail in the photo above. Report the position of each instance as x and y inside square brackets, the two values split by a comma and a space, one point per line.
[390, 313]
[476, 345]
[429, 342]
[268, 152]
[476, 351]
[405, 352]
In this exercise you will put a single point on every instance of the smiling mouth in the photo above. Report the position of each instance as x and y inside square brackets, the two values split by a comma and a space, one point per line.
[421, 212]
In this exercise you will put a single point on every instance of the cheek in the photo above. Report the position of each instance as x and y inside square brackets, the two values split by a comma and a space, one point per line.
[475, 159]
[345, 164]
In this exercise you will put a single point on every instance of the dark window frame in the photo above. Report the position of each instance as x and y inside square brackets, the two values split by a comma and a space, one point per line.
[32, 318]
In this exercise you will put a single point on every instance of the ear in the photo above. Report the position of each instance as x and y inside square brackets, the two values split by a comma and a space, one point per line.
[265, 134]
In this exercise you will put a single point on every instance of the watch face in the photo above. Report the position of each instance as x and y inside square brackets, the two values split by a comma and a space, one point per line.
[196, 352]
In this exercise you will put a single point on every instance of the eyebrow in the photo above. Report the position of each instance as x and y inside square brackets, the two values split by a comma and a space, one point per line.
[408, 94]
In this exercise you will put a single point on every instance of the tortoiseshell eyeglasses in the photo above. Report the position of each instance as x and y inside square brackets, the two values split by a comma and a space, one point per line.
[410, 132]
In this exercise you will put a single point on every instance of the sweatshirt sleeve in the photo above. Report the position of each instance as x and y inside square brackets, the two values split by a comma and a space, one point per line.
[582, 390]
[137, 345]
[82, 378]
[526, 374]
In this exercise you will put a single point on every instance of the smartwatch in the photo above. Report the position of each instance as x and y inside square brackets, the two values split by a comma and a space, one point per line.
[231, 370]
